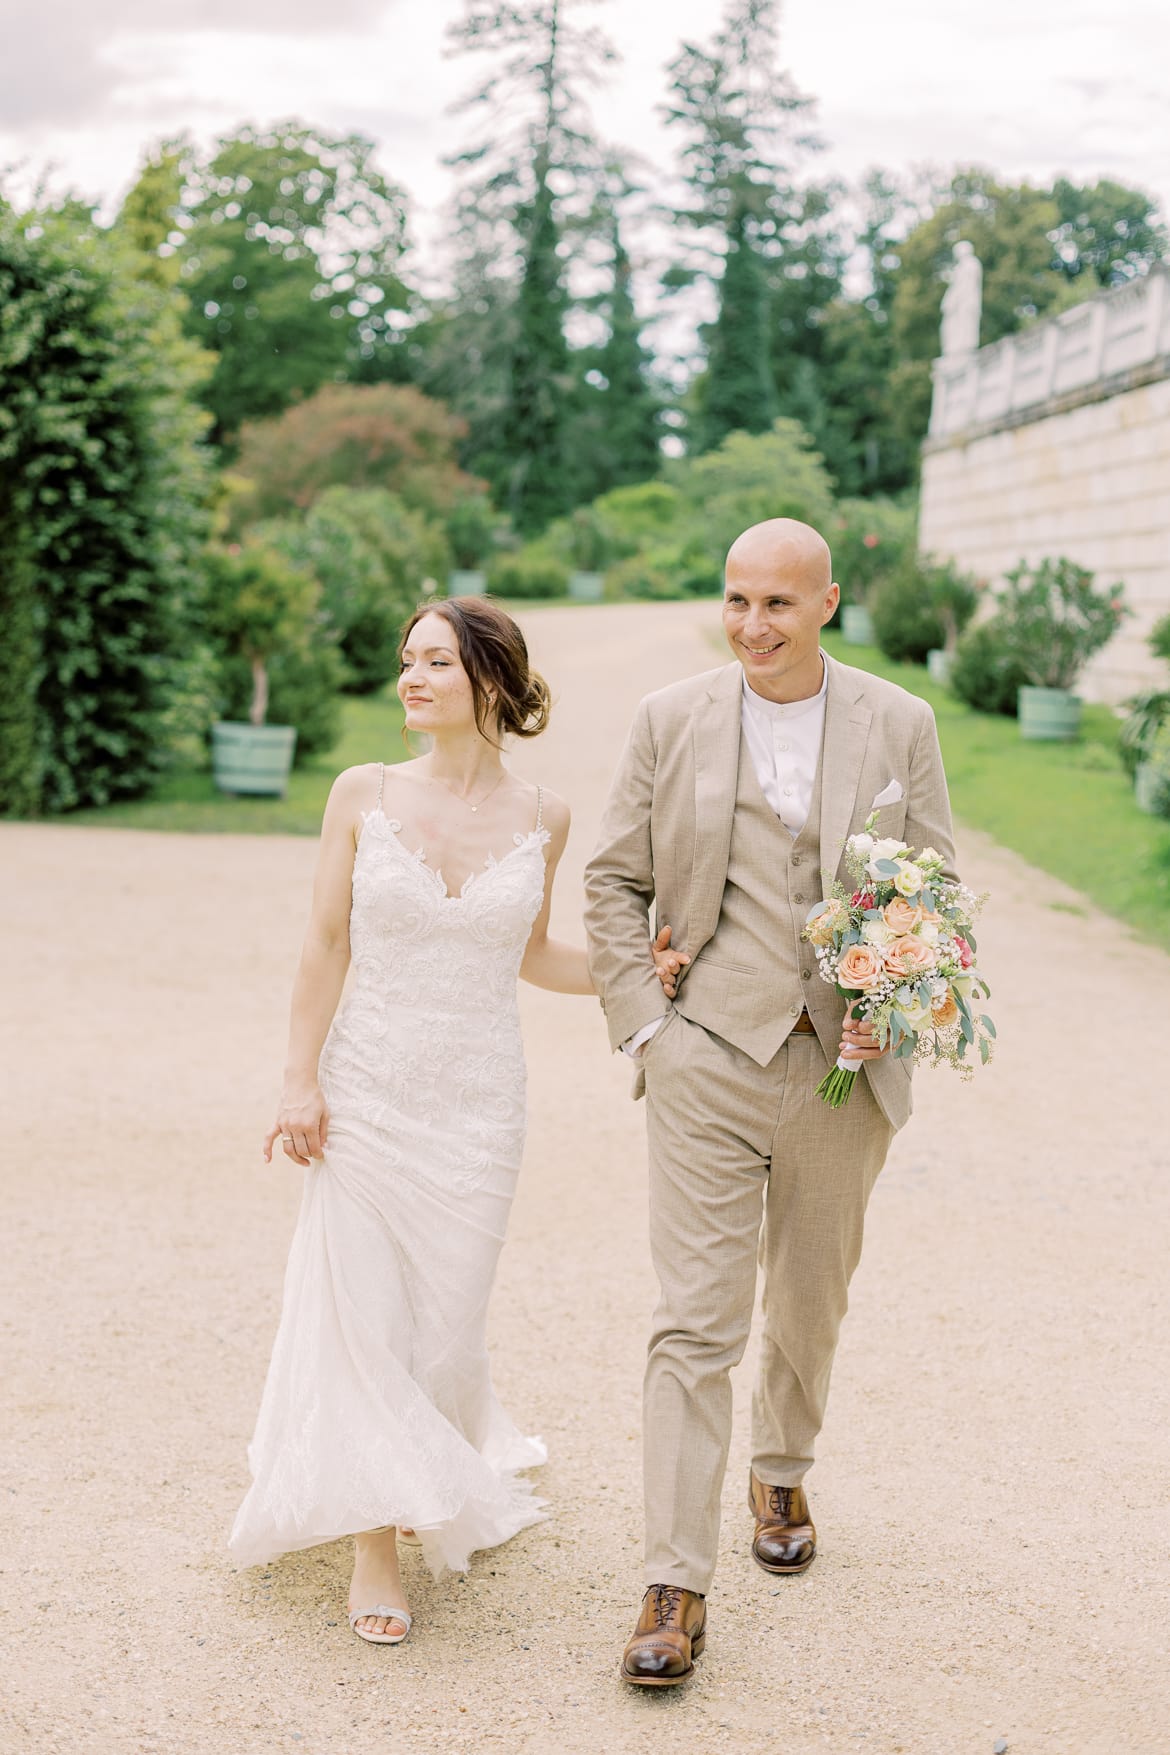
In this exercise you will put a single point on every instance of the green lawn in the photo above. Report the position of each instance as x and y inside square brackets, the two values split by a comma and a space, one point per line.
[188, 800]
[1067, 808]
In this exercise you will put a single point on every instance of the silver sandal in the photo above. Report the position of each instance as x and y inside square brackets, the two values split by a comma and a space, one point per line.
[381, 1612]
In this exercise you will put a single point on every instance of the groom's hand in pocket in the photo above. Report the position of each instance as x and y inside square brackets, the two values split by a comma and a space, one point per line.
[667, 963]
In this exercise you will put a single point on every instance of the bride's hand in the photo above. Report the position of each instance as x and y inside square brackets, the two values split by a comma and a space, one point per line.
[667, 963]
[301, 1125]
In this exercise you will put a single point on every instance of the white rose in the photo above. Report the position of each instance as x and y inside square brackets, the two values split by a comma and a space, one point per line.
[930, 856]
[939, 986]
[928, 932]
[859, 846]
[908, 881]
[876, 932]
[912, 1008]
[885, 849]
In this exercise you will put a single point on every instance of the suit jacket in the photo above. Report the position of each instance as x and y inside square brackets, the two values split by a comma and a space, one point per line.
[666, 831]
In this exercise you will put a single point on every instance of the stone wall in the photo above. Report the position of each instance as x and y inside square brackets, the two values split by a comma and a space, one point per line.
[1073, 460]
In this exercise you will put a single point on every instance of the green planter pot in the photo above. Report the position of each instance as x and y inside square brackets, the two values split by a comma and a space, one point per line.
[938, 665]
[466, 582]
[253, 759]
[1049, 715]
[856, 625]
[586, 587]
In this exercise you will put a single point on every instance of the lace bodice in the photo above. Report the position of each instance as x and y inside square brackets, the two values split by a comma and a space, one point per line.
[412, 943]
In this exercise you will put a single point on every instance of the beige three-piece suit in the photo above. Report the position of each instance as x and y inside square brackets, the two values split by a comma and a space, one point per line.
[736, 1133]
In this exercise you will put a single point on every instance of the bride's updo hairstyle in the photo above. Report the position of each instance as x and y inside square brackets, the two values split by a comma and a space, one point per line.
[494, 653]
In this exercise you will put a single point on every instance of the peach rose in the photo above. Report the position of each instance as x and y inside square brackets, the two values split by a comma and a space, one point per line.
[860, 967]
[944, 1012]
[820, 930]
[909, 957]
[902, 916]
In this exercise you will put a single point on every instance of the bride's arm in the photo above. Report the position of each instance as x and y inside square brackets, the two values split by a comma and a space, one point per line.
[302, 1116]
[548, 962]
[563, 968]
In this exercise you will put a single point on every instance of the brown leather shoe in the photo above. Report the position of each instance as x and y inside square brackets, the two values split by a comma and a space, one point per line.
[671, 1632]
[785, 1539]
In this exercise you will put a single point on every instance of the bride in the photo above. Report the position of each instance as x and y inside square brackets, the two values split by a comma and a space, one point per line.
[407, 1112]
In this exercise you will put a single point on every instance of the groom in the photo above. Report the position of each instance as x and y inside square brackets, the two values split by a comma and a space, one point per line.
[736, 791]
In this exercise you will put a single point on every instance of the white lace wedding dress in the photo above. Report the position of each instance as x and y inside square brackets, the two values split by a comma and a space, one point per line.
[379, 1408]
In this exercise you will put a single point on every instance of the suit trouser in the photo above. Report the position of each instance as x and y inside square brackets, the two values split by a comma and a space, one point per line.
[730, 1143]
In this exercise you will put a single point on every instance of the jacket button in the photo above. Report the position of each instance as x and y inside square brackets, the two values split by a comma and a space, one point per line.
[806, 974]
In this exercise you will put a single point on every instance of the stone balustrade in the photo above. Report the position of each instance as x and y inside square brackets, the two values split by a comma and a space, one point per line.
[1087, 351]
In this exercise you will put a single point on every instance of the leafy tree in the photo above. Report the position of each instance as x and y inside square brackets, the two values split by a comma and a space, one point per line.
[740, 393]
[615, 433]
[288, 243]
[745, 218]
[357, 435]
[535, 159]
[101, 513]
[748, 478]
[1107, 231]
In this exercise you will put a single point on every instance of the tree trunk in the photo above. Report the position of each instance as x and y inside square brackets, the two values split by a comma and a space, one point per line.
[259, 708]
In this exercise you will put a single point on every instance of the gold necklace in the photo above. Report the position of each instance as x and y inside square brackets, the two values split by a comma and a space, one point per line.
[471, 807]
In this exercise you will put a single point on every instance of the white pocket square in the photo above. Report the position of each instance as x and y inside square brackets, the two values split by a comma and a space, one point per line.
[891, 793]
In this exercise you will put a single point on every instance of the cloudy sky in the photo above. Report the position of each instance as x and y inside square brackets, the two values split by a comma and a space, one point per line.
[1028, 87]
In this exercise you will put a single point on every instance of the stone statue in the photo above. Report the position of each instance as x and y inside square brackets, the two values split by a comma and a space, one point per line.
[962, 303]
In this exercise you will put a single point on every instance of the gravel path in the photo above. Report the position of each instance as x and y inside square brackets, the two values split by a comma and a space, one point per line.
[991, 1491]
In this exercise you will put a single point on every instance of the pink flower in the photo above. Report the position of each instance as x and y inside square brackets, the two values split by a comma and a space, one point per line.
[870, 541]
[909, 956]
[859, 968]
[966, 954]
[862, 899]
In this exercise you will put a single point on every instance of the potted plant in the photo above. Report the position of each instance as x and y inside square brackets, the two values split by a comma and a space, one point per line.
[1052, 619]
[1147, 713]
[590, 555]
[872, 539]
[256, 603]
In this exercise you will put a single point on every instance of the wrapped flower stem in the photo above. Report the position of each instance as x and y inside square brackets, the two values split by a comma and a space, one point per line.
[836, 1085]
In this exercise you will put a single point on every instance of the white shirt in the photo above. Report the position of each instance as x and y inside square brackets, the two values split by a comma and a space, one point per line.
[784, 741]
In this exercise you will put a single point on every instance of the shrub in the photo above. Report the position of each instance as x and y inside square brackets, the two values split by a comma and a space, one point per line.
[1052, 619]
[387, 436]
[871, 540]
[667, 572]
[528, 572]
[921, 606]
[985, 672]
[906, 624]
[633, 516]
[102, 514]
[470, 527]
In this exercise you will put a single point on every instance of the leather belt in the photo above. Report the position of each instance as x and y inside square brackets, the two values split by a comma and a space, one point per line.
[804, 1026]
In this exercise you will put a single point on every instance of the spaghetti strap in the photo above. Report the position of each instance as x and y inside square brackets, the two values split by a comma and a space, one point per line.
[381, 783]
[539, 809]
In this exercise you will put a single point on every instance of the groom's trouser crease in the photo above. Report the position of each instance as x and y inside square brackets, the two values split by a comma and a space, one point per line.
[731, 1143]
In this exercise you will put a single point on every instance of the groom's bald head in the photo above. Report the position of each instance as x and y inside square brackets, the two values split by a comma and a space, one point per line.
[781, 548]
[778, 593]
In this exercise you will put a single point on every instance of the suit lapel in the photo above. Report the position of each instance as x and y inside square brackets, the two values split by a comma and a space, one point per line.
[716, 735]
[847, 722]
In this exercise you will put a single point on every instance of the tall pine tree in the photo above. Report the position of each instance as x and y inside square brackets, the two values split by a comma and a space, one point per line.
[743, 215]
[532, 165]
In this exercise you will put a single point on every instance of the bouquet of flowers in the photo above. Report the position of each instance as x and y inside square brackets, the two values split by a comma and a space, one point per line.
[901, 948]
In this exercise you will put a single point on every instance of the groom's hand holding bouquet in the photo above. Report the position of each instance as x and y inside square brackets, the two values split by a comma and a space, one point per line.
[901, 949]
